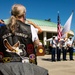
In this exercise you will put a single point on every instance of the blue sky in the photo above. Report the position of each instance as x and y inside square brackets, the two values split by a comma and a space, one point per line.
[42, 9]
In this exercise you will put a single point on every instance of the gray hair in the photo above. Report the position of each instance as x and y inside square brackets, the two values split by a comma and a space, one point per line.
[18, 10]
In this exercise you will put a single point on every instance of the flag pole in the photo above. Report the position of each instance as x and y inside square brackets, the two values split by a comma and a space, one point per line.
[73, 11]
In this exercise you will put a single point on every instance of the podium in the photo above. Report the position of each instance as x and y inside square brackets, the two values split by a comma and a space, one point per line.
[40, 51]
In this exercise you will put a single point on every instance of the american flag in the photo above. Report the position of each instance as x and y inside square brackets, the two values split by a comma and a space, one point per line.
[59, 33]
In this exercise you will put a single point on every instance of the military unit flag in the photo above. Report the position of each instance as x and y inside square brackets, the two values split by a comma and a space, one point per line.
[67, 26]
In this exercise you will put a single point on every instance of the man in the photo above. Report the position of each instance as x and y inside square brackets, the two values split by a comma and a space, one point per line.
[64, 48]
[53, 44]
[59, 51]
[17, 41]
[17, 30]
[70, 47]
[38, 29]
[1, 23]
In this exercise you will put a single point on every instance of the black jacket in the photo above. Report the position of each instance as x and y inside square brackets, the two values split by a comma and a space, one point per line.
[22, 34]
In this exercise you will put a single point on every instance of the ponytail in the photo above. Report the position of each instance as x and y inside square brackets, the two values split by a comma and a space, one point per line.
[12, 24]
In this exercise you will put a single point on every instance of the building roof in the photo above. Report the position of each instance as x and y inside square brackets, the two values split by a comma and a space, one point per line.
[38, 22]
[45, 25]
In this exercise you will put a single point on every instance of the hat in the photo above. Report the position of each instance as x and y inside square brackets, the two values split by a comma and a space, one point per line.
[53, 36]
[70, 37]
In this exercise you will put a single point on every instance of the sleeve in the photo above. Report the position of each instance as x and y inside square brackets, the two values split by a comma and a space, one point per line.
[34, 33]
[36, 30]
[51, 41]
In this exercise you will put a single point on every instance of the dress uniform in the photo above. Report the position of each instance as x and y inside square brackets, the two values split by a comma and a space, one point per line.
[53, 43]
[59, 51]
[70, 47]
[64, 49]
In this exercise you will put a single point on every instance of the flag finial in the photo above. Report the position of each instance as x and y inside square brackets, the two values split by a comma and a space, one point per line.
[58, 11]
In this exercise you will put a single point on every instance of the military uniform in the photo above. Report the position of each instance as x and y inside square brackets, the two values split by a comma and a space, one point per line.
[64, 49]
[53, 43]
[59, 51]
[70, 47]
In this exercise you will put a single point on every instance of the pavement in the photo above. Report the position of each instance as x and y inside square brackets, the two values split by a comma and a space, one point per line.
[58, 67]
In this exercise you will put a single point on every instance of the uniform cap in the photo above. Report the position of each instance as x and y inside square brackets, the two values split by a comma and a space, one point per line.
[70, 37]
[54, 36]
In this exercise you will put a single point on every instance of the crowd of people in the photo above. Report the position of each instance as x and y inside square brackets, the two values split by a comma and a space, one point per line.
[61, 47]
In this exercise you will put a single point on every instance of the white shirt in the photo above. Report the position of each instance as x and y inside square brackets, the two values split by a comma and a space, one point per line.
[65, 44]
[69, 42]
[34, 33]
[53, 42]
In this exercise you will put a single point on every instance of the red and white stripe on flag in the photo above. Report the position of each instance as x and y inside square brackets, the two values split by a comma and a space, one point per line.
[59, 33]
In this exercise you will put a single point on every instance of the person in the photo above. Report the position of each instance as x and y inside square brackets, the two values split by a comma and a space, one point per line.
[53, 51]
[74, 44]
[17, 41]
[38, 29]
[50, 47]
[70, 47]
[21, 32]
[1, 21]
[59, 50]
[64, 48]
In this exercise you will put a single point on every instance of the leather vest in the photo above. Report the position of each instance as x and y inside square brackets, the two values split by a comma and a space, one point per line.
[22, 37]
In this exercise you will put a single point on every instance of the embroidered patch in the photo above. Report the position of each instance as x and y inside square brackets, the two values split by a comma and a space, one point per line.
[30, 49]
[6, 59]
[40, 50]
[31, 56]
